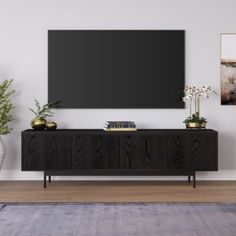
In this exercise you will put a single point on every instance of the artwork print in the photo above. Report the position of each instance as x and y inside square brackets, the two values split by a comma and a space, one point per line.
[228, 69]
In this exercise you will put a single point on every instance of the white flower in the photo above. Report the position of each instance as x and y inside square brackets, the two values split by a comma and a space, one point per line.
[205, 91]
[192, 92]
[187, 98]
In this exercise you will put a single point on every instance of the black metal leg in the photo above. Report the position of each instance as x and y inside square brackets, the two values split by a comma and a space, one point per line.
[49, 178]
[189, 178]
[45, 180]
[194, 180]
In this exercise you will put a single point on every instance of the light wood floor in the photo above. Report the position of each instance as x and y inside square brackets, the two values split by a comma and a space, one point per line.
[113, 191]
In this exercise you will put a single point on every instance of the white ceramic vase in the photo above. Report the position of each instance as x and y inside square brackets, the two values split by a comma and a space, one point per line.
[2, 152]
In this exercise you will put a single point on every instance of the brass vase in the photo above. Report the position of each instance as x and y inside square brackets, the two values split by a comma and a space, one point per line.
[50, 125]
[38, 124]
[195, 125]
[203, 125]
[192, 125]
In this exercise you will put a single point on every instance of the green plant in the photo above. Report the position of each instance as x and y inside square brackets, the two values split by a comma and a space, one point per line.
[195, 118]
[5, 106]
[44, 111]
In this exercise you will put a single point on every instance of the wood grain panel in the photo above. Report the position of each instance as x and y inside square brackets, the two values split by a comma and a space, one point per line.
[78, 157]
[145, 150]
[156, 151]
[176, 152]
[132, 151]
[33, 152]
[147, 153]
[59, 151]
[208, 155]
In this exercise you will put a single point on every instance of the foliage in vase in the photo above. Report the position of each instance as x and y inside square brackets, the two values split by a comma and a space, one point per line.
[195, 118]
[6, 106]
[44, 111]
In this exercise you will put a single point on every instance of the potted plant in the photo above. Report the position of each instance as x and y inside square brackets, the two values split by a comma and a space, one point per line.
[193, 95]
[41, 113]
[5, 114]
[195, 121]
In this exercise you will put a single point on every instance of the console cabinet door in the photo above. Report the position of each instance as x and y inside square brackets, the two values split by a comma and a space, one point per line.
[44, 151]
[178, 158]
[132, 152]
[95, 151]
[203, 150]
[33, 152]
[193, 151]
[143, 152]
[59, 152]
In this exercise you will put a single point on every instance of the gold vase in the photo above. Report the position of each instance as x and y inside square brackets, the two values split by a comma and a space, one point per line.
[192, 125]
[38, 124]
[203, 125]
[50, 125]
[195, 125]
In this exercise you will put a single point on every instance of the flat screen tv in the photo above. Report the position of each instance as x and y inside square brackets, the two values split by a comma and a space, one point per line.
[116, 68]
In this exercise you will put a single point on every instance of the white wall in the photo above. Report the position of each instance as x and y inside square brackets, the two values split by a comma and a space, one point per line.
[23, 57]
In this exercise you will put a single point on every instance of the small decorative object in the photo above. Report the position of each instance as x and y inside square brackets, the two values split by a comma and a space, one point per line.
[195, 121]
[38, 123]
[192, 95]
[41, 113]
[120, 126]
[50, 125]
[5, 114]
[228, 69]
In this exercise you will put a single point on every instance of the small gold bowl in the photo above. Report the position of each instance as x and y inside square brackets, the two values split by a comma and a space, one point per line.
[50, 125]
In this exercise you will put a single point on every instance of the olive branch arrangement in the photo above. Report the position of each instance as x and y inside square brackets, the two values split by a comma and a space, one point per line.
[44, 111]
[6, 106]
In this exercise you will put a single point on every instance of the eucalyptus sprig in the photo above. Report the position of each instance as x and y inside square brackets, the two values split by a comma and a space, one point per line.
[44, 111]
[6, 106]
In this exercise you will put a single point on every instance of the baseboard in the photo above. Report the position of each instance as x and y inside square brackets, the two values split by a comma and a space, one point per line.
[19, 175]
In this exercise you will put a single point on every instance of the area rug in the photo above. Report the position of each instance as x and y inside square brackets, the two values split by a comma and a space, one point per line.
[118, 219]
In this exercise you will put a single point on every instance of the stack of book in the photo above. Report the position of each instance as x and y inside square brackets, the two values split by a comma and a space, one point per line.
[120, 126]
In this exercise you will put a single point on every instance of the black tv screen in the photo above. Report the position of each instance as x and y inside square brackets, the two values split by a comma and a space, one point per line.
[116, 68]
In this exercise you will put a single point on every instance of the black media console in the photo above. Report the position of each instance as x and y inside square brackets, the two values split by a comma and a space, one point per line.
[97, 152]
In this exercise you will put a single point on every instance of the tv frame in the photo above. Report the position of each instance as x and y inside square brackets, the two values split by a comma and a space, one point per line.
[137, 108]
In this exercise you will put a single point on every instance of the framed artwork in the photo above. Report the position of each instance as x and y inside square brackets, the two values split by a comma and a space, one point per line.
[228, 69]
